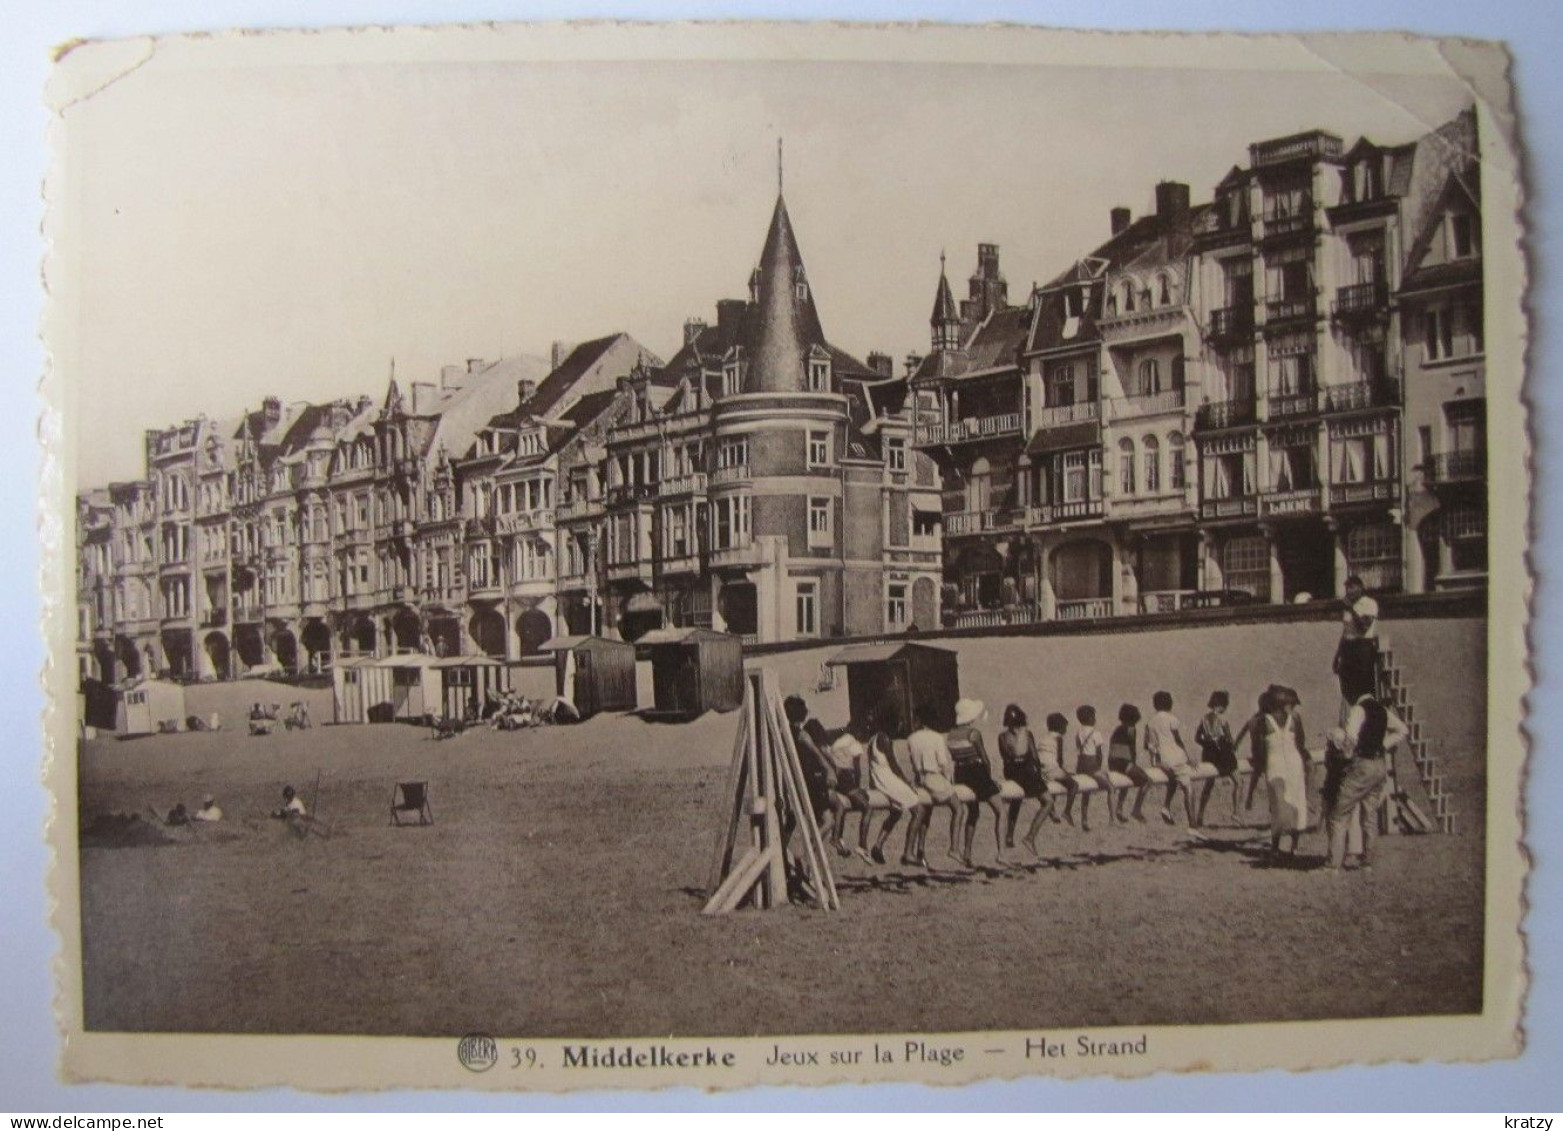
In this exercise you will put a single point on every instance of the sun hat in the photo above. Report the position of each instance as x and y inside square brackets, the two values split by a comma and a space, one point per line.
[968, 711]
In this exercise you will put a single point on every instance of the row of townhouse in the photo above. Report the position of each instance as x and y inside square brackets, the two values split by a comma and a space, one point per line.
[762, 482]
[1245, 400]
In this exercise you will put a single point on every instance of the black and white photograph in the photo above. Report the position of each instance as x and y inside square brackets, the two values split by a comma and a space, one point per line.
[731, 555]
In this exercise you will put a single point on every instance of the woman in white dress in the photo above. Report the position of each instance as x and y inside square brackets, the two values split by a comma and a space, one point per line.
[1286, 768]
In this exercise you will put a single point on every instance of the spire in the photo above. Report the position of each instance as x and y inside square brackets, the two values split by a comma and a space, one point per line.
[786, 323]
[945, 320]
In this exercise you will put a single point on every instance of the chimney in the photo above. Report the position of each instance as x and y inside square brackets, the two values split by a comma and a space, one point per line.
[561, 351]
[692, 328]
[525, 390]
[422, 396]
[365, 402]
[913, 360]
[272, 408]
[729, 315]
[882, 363]
[451, 375]
[1121, 218]
[1172, 198]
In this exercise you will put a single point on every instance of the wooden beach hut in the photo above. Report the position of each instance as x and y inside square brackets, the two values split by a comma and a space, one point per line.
[594, 673]
[415, 686]
[466, 681]
[361, 691]
[693, 670]
[146, 702]
[909, 675]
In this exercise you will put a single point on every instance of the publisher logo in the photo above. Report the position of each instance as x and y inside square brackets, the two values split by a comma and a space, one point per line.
[477, 1052]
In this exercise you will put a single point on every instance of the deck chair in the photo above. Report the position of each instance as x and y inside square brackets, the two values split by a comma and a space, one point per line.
[411, 797]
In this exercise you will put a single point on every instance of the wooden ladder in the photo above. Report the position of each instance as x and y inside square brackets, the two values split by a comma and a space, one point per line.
[1396, 691]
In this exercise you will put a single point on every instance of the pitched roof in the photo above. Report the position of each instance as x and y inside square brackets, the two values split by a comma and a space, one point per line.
[786, 322]
[944, 308]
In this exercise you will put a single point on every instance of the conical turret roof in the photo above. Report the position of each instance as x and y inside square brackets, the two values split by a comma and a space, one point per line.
[944, 309]
[786, 324]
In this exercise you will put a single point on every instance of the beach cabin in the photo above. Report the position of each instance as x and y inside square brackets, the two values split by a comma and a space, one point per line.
[909, 675]
[693, 670]
[415, 686]
[361, 691]
[593, 673]
[145, 702]
[99, 704]
[466, 682]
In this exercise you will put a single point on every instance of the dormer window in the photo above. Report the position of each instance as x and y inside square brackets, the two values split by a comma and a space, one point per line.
[818, 371]
[800, 286]
[1462, 235]
[732, 373]
[1163, 291]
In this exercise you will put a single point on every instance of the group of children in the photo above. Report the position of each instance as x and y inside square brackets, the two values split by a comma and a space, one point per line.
[934, 769]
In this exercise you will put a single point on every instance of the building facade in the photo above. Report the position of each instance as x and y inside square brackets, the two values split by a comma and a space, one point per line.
[1246, 400]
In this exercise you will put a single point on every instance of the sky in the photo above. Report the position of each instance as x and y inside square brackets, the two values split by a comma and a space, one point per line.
[291, 229]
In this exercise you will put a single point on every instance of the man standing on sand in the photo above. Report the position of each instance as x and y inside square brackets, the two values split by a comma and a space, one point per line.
[1372, 733]
[1356, 656]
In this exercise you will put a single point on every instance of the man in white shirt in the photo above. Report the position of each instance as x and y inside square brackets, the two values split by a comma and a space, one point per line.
[1373, 731]
[1356, 656]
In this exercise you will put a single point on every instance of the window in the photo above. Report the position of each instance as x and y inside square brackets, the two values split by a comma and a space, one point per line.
[675, 534]
[807, 608]
[819, 374]
[1230, 475]
[979, 486]
[1291, 468]
[733, 453]
[895, 607]
[1363, 459]
[1060, 386]
[895, 453]
[1465, 527]
[1126, 462]
[732, 378]
[1437, 334]
[1149, 377]
[1163, 290]
[1152, 465]
[1292, 375]
[819, 449]
[819, 521]
[1462, 235]
[1074, 480]
[730, 522]
[1463, 425]
[1177, 475]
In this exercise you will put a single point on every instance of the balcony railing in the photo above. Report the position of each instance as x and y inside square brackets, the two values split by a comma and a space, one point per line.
[1226, 414]
[745, 553]
[679, 562]
[1137, 506]
[1165, 600]
[1456, 466]
[1074, 510]
[979, 522]
[1279, 406]
[576, 508]
[995, 618]
[1148, 404]
[1350, 494]
[631, 493]
[214, 618]
[1361, 299]
[1293, 224]
[1315, 144]
[692, 483]
[1238, 506]
[1302, 501]
[1089, 608]
[1381, 393]
[738, 473]
[1077, 413]
[1228, 322]
[972, 428]
[1290, 310]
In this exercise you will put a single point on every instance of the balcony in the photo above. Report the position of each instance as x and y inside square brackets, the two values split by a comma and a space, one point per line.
[1226, 414]
[628, 493]
[724, 476]
[1238, 506]
[1298, 223]
[1361, 302]
[1148, 404]
[1287, 311]
[1357, 494]
[996, 618]
[1220, 232]
[215, 618]
[679, 563]
[571, 581]
[979, 522]
[1447, 468]
[744, 554]
[577, 508]
[638, 570]
[1283, 406]
[1383, 393]
[1231, 324]
[692, 483]
[1305, 500]
[1073, 510]
[972, 428]
[1089, 608]
[1296, 147]
[1148, 506]
[519, 521]
[1081, 412]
